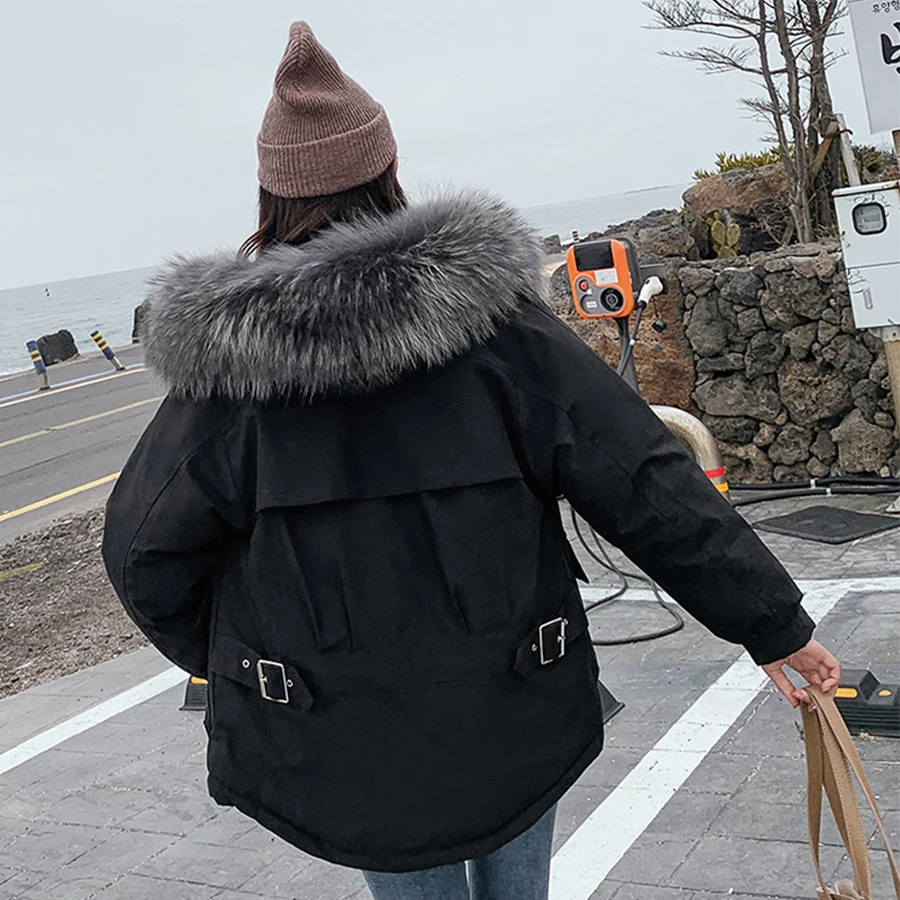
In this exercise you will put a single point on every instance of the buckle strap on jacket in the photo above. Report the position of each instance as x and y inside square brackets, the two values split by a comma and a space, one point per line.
[277, 682]
[547, 643]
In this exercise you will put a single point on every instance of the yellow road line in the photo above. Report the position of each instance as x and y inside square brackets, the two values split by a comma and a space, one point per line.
[47, 501]
[71, 387]
[85, 420]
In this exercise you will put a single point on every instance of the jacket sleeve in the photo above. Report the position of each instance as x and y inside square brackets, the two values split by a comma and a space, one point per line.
[168, 522]
[630, 479]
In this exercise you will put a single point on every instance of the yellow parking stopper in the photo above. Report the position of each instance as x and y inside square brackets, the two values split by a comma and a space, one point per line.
[195, 693]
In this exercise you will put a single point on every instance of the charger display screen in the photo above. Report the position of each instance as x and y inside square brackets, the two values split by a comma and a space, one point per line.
[592, 256]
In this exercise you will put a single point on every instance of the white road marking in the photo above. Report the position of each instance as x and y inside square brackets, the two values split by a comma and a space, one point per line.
[52, 737]
[595, 848]
[35, 395]
[593, 594]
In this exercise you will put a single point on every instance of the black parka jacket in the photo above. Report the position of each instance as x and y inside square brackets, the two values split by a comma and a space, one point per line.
[349, 502]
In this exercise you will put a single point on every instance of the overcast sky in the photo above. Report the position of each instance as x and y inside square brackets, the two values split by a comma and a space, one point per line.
[127, 127]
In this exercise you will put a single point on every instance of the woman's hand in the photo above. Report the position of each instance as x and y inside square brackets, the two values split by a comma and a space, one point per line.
[815, 664]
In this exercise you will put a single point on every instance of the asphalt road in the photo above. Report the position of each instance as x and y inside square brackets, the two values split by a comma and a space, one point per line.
[60, 450]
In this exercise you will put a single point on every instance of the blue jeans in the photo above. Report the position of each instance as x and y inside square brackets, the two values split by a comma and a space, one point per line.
[519, 870]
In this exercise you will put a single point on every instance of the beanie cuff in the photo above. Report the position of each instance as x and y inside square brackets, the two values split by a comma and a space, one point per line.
[330, 165]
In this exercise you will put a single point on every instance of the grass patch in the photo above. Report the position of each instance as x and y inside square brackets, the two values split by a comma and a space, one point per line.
[9, 574]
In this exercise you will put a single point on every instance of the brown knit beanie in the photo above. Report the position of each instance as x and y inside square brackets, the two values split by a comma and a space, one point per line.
[322, 133]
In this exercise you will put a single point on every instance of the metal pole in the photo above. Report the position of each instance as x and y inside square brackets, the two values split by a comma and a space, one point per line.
[107, 351]
[39, 365]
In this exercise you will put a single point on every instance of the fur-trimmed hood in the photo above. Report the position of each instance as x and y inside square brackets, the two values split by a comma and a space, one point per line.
[354, 309]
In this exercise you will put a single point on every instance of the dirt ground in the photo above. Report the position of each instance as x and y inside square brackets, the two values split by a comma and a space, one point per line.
[58, 613]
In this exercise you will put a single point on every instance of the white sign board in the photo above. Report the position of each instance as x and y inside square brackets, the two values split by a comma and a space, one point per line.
[876, 29]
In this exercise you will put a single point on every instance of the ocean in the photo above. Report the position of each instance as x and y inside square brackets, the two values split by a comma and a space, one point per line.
[106, 302]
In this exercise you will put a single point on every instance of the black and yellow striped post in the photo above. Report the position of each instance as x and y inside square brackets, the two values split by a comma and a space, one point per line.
[39, 365]
[575, 237]
[107, 351]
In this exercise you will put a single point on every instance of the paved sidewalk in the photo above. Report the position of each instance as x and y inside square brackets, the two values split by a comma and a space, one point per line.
[120, 811]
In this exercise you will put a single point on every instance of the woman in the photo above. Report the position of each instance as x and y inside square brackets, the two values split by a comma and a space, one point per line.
[345, 514]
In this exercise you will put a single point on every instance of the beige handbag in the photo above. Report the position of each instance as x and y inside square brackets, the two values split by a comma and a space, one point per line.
[830, 757]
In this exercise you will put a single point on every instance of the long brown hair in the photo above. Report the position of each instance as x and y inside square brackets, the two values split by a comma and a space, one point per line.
[294, 220]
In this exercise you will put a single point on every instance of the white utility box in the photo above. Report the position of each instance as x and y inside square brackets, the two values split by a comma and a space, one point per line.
[869, 218]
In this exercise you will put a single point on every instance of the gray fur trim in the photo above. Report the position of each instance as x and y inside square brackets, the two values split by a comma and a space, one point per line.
[356, 308]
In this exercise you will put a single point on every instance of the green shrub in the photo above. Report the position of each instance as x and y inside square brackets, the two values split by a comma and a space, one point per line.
[725, 162]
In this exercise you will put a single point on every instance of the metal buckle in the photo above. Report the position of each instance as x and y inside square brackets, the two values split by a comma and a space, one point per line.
[264, 682]
[560, 638]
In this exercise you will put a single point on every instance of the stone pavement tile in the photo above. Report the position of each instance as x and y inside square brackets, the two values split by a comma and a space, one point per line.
[11, 827]
[141, 887]
[313, 879]
[188, 860]
[652, 859]
[7, 788]
[881, 872]
[663, 678]
[783, 778]
[95, 805]
[891, 819]
[884, 777]
[772, 730]
[46, 847]
[687, 815]
[162, 771]
[858, 604]
[178, 813]
[612, 765]
[637, 732]
[643, 892]
[225, 828]
[718, 864]
[872, 567]
[720, 773]
[745, 895]
[837, 629]
[112, 737]
[34, 886]
[242, 895]
[165, 713]
[873, 644]
[12, 888]
[877, 749]
[107, 678]
[753, 815]
[6, 873]
[574, 807]
[123, 852]
[58, 771]
[606, 890]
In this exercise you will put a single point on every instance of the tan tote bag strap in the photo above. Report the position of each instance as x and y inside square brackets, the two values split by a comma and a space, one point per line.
[831, 756]
[820, 774]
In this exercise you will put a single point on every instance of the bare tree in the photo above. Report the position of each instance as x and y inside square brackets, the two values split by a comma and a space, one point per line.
[781, 45]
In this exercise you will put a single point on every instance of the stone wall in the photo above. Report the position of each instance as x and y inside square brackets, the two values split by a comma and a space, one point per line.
[763, 348]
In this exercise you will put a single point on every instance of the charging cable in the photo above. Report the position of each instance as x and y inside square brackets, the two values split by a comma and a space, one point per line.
[652, 286]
